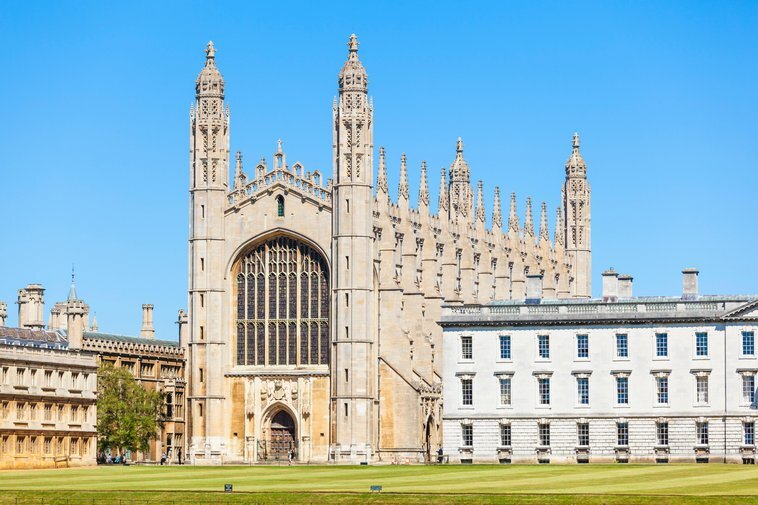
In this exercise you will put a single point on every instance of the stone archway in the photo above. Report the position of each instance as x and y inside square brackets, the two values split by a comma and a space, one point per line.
[281, 437]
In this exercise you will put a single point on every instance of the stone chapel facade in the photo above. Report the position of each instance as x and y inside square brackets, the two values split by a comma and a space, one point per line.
[313, 303]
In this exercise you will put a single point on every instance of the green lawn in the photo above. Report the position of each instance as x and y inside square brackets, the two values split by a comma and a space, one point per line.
[530, 484]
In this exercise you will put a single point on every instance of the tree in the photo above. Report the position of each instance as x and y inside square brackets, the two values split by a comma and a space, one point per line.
[128, 415]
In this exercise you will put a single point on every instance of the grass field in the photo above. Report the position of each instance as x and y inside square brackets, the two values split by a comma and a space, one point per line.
[529, 484]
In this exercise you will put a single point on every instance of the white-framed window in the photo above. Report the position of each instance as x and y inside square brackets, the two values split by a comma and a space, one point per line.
[662, 390]
[467, 391]
[583, 434]
[748, 432]
[701, 389]
[622, 390]
[543, 390]
[544, 434]
[662, 432]
[505, 347]
[583, 346]
[622, 434]
[702, 433]
[505, 435]
[583, 390]
[661, 345]
[701, 344]
[467, 435]
[622, 345]
[748, 343]
[505, 391]
[543, 346]
[748, 389]
[467, 347]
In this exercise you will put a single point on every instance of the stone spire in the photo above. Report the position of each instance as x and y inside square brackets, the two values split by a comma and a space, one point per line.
[402, 187]
[544, 232]
[558, 226]
[209, 81]
[460, 186]
[95, 327]
[442, 199]
[575, 166]
[497, 216]
[72, 291]
[480, 218]
[529, 221]
[240, 179]
[512, 216]
[423, 190]
[381, 178]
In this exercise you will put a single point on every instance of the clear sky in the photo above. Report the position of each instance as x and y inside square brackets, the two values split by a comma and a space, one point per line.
[96, 104]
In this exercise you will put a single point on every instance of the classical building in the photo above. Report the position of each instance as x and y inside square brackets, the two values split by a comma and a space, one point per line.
[63, 350]
[313, 303]
[622, 378]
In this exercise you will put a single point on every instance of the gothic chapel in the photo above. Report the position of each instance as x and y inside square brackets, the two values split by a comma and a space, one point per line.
[313, 302]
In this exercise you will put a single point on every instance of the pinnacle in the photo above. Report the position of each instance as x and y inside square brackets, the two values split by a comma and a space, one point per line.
[459, 145]
[353, 43]
[210, 50]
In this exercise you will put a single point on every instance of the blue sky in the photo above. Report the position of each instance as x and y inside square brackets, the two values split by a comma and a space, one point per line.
[97, 96]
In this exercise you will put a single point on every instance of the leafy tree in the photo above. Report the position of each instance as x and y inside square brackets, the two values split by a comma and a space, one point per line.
[128, 415]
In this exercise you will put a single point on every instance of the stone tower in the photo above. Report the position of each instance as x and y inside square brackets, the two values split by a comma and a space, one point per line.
[209, 172]
[461, 195]
[75, 310]
[31, 307]
[576, 203]
[353, 333]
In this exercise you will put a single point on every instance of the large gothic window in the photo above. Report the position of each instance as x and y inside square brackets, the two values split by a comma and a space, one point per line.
[282, 305]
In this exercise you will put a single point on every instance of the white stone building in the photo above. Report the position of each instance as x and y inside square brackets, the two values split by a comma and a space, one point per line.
[614, 379]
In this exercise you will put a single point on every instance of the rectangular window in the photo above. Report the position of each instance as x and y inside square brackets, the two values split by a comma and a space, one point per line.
[61, 412]
[622, 434]
[544, 434]
[662, 390]
[583, 390]
[702, 433]
[622, 390]
[582, 346]
[505, 347]
[505, 435]
[583, 434]
[662, 432]
[661, 345]
[505, 391]
[20, 411]
[467, 435]
[543, 344]
[467, 391]
[622, 346]
[701, 386]
[48, 379]
[543, 386]
[749, 433]
[748, 389]
[748, 343]
[48, 445]
[20, 376]
[467, 349]
[4, 375]
[701, 344]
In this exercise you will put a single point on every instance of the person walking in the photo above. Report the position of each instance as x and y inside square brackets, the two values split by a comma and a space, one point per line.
[163, 458]
[179, 455]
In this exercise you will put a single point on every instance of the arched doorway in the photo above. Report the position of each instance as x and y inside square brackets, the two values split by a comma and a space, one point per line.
[428, 440]
[282, 436]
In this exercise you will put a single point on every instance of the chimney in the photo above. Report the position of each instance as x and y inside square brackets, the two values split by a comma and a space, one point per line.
[147, 321]
[3, 313]
[625, 286]
[533, 288]
[689, 283]
[182, 320]
[610, 285]
[31, 307]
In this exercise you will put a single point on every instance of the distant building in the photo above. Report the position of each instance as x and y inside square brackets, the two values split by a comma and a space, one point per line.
[614, 379]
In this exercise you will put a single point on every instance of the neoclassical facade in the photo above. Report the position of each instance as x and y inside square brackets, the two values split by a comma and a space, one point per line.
[313, 302]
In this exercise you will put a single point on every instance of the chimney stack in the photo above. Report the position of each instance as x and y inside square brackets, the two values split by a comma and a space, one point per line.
[182, 320]
[610, 285]
[625, 286]
[533, 288]
[689, 284]
[3, 313]
[31, 307]
[147, 321]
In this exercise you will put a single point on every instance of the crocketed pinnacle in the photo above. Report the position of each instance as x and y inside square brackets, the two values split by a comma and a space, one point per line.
[72, 292]
[513, 224]
[575, 166]
[402, 187]
[239, 175]
[529, 220]
[544, 232]
[353, 76]
[497, 216]
[442, 199]
[381, 178]
[480, 202]
[209, 81]
[423, 190]
[558, 226]
[94, 322]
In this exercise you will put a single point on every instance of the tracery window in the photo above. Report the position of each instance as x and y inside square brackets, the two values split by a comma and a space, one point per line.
[282, 314]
